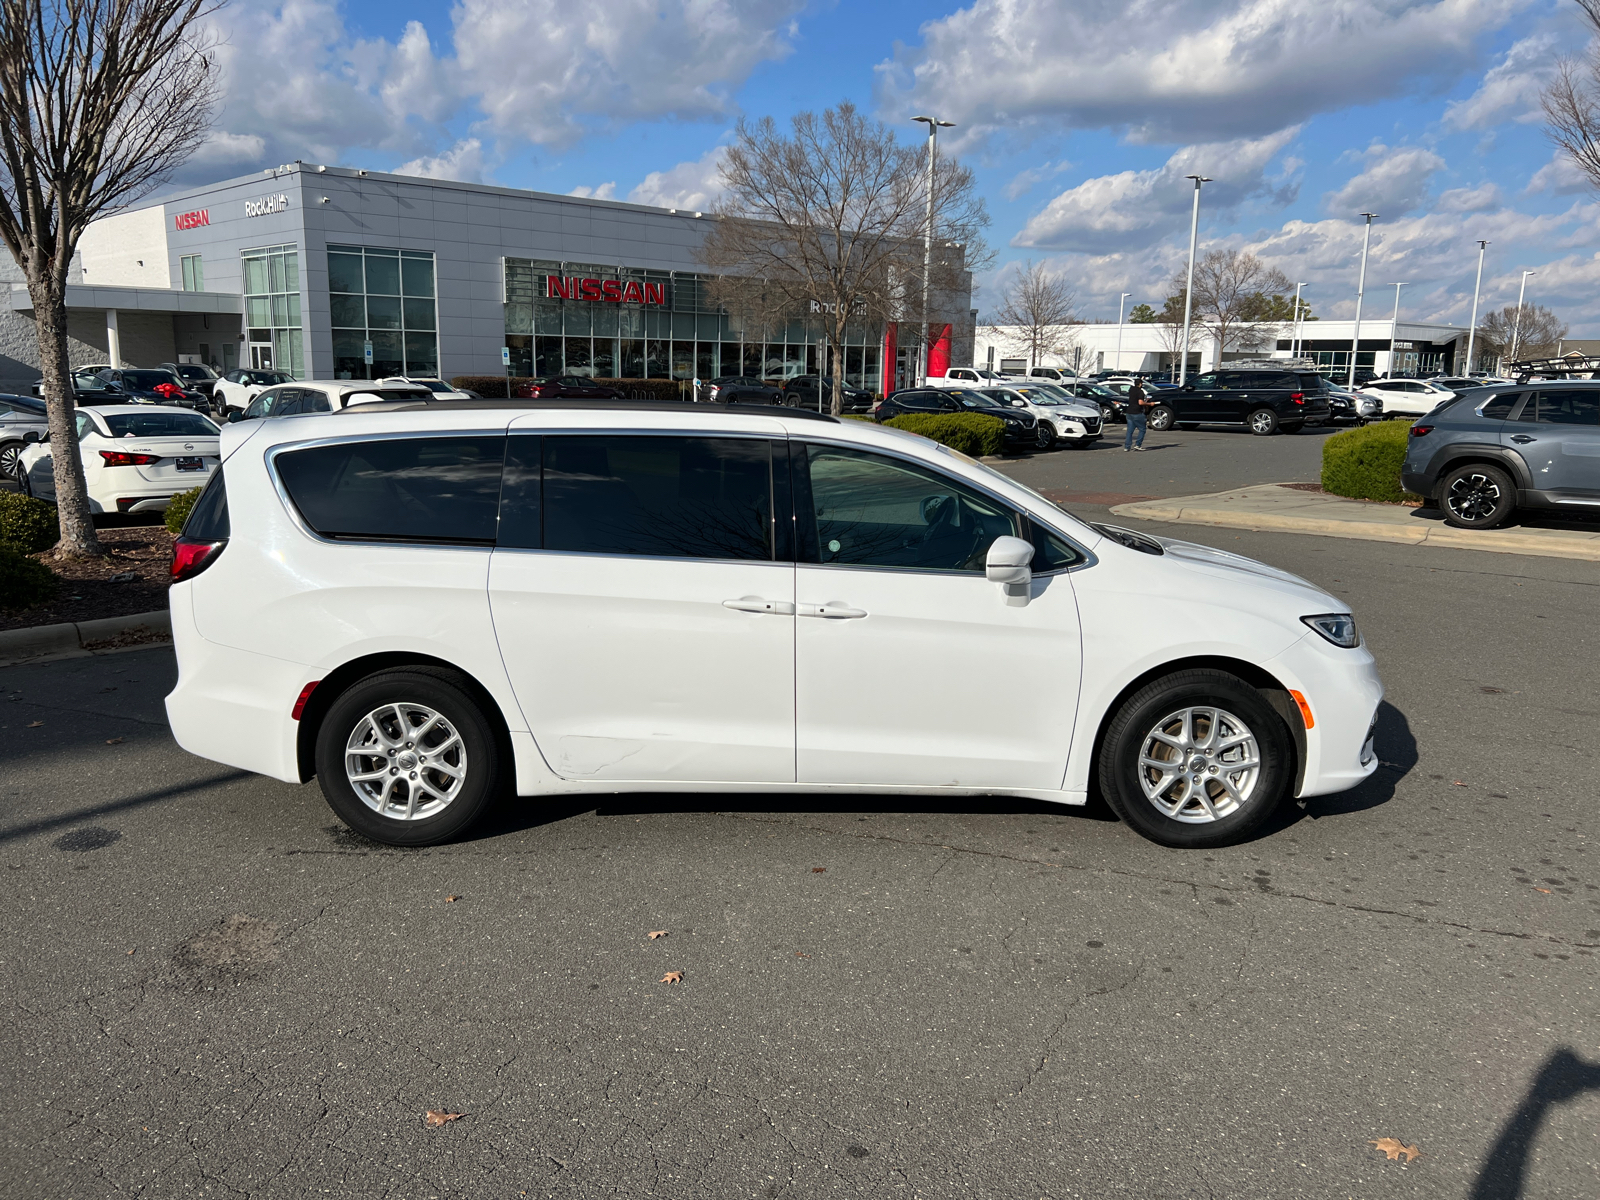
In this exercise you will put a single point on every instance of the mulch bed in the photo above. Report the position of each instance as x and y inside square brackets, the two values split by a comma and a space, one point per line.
[131, 578]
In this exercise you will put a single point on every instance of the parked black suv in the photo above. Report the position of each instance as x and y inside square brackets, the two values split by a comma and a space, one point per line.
[1262, 399]
[801, 391]
[1023, 431]
[137, 386]
[743, 389]
[1489, 451]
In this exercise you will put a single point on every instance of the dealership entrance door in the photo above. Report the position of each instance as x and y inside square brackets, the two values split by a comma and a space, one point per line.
[261, 356]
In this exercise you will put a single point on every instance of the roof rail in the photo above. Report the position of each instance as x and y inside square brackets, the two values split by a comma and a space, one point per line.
[577, 405]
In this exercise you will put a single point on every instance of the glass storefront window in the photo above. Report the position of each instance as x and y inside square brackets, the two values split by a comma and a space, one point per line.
[385, 298]
[272, 309]
[194, 273]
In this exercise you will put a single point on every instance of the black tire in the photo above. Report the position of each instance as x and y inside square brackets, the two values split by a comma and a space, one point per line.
[1188, 424]
[1263, 422]
[444, 693]
[24, 484]
[1477, 496]
[10, 452]
[1150, 708]
[1162, 418]
[1046, 436]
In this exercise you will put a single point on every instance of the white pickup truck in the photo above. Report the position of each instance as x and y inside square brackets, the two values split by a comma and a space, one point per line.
[969, 377]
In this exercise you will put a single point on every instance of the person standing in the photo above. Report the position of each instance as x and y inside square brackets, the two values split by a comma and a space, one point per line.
[1138, 408]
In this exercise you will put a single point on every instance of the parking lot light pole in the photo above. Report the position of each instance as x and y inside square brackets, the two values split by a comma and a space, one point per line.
[1294, 324]
[1121, 304]
[1394, 324]
[1188, 291]
[1361, 286]
[1472, 326]
[934, 125]
[1516, 327]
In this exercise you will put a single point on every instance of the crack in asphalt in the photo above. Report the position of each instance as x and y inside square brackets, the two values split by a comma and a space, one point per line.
[1149, 877]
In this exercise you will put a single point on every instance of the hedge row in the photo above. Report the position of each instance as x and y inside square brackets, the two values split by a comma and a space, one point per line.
[178, 509]
[971, 433]
[27, 525]
[493, 387]
[24, 581]
[1365, 463]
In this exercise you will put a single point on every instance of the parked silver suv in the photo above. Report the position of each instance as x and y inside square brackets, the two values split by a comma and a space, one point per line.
[1489, 451]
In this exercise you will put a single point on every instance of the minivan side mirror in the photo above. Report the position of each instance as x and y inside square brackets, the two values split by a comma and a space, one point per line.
[1009, 563]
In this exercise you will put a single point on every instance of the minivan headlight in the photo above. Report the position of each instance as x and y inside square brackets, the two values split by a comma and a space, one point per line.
[1338, 628]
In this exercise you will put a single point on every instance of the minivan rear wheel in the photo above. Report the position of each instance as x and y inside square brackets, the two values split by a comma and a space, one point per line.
[1477, 496]
[1196, 759]
[407, 757]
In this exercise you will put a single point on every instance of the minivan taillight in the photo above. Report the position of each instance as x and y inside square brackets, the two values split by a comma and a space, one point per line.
[190, 556]
[1421, 430]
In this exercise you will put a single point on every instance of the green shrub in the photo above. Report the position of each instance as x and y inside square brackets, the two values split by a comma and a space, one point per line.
[26, 524]
[1365, 463]
[178, 509]
[970, 433]
[24, 581]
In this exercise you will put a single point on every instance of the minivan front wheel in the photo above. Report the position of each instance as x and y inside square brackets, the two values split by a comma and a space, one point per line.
[1196, 759]
[407, 757]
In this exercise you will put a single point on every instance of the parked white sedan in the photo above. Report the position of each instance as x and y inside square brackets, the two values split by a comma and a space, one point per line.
[136, 457]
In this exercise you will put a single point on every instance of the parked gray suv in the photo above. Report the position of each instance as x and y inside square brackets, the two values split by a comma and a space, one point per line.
[1489, 451]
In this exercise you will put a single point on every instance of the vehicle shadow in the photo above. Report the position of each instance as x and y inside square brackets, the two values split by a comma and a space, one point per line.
[1397, 755]
[1563, 1077]
[1526, 518]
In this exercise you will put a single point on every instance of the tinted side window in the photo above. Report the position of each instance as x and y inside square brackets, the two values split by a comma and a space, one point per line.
[874, 511]
[1564, 408]
[433, 489]
[1205, 381]
[665, 497]
[1499, 407]
[315, 402]
[208, 519]
[919, 402]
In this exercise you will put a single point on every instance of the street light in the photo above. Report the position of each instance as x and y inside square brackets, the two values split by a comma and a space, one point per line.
[1294, 324]
[1516, 328]
[1361, 287]
[934, 125]
[1188, 291]
[1120, 304]
[1472, 329]
[1394, 324]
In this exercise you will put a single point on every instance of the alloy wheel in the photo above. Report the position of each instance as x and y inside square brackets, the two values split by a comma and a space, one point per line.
[1261, 422]
[1199, 765]
[405, 761]
[1474, 497]
[10, 459]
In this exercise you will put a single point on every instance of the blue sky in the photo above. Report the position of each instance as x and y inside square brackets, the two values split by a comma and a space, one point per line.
[1081, 119]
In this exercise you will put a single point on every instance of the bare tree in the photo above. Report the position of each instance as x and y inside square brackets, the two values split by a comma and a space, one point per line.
[1232, 294]
[828, 222]
[100, 100]
[1572, 104]
[1538, 335]
[1035, 313]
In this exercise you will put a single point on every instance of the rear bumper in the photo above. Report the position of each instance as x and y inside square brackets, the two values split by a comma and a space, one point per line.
[1417, 482]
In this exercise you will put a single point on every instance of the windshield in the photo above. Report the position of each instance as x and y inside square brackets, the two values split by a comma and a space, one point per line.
[269, 377]
[193, 371]
[982, 374]
[150, 379]
[434, 385]
[1037, 394]
[978, 400]
[159, 424]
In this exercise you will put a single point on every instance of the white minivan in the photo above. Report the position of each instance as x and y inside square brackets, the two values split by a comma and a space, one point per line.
[425, 605]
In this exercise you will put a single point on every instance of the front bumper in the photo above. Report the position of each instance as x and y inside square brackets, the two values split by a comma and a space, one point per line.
[1343, 691]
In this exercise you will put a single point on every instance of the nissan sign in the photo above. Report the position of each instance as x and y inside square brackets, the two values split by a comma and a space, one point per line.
[195, 219]
[607, 291]
[266, 205]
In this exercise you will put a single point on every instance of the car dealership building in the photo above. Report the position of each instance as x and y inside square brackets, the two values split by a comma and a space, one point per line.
[328, 272]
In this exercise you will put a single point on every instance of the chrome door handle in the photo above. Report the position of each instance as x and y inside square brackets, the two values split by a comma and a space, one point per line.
[755, 604]
[1523, 439]
[832, 610]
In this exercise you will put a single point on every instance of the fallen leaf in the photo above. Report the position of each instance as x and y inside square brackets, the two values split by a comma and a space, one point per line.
[130, 951]
[451, 899]
[818, 870]
[1457, 783]
[113, 741]
[672, 977]
[436, 1118]
[1546, 891]
[34, 724]
[1393, 1148]
[797, 954]
[657, 933]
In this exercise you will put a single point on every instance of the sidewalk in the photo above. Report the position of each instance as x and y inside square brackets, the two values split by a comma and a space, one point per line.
[1272, 506]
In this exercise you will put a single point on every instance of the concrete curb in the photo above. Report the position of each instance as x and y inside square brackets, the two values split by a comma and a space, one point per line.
[79, 639]
[1195, 510]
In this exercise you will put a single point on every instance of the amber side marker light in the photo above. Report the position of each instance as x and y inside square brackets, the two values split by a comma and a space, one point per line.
[1305, 709]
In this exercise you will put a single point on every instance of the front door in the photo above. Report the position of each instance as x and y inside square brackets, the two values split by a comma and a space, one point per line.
[261, 356]
[645, 606]
[1202, 402]
[911, 669]
[1558, 435]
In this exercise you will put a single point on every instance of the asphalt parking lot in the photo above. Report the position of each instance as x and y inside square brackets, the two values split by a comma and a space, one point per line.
[216, 990]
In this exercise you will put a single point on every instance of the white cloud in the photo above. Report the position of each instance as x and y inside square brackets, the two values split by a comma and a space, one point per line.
[223, 149]
[1484, 196]
[1025, 181]
[1135, 208]
[694, 185]
[1180, 70]
[1510, 90]
[606, 191]
[1395, 181]
[551, 69]
[463, 161]
[1560, 176]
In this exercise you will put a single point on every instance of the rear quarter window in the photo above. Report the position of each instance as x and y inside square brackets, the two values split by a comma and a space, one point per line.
[426, 489]
[208, 519]
[1499, 407]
